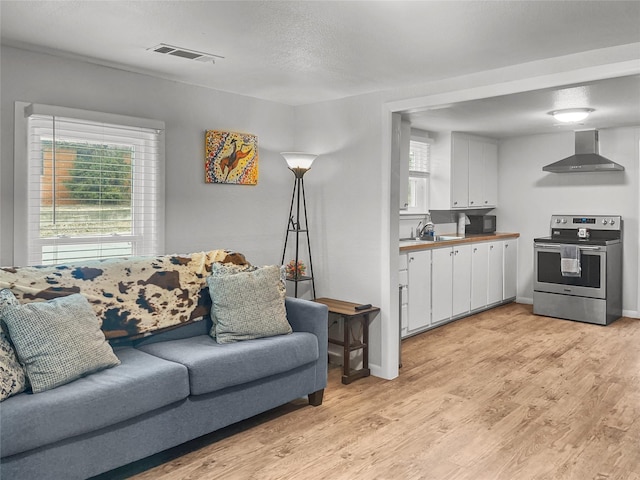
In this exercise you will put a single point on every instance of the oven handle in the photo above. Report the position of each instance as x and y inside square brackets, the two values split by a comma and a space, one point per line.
[553, 245]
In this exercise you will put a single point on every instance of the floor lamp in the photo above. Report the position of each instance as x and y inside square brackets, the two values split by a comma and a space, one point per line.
[299, 163]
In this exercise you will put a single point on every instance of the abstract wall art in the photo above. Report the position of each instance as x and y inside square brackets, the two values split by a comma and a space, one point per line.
[231, 157]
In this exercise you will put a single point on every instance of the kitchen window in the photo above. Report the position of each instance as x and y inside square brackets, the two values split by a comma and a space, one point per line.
[419, 166]
[93, 186]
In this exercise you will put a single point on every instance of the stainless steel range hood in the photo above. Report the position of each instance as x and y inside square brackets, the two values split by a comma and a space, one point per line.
[586, 158]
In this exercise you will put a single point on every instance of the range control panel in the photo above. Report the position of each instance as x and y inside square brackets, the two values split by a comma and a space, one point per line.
[594, 222]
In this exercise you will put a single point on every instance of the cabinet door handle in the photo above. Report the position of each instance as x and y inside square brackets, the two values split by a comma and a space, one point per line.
[506, 245]
[486, 201]
[490, 247]
[475, 250]
[455, 203]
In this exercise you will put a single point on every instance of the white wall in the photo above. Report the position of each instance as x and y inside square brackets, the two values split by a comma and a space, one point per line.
[344, 195]
[199, 216]
[529, 196]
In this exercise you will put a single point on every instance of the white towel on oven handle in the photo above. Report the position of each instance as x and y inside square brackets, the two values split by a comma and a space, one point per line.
[570, 260]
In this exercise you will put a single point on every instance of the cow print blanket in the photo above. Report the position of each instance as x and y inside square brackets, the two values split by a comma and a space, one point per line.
[133, 297]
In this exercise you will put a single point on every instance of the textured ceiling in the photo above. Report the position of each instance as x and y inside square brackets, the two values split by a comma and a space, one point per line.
[616, 102]
[299, 52]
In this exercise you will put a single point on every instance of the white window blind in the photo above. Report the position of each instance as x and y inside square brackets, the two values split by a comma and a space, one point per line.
[419, 169]
[93, 189]
[419, 156]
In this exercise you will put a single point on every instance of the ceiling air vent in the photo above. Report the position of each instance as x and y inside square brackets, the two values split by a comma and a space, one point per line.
[185, 53]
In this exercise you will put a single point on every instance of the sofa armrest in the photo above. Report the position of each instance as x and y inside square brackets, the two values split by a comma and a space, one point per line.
[308, 316]
[312, 317]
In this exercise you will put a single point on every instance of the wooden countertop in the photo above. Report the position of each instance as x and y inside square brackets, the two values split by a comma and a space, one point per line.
[409, 246]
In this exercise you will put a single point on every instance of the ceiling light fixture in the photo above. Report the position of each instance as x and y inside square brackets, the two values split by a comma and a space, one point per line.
[571, 115]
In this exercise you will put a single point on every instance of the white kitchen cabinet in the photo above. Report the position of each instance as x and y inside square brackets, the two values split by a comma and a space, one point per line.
[442, 284]
[490, 179]
[461, 296]
[479, 275]
[464, 172]
[445, 283]
[451, 282]
[403, 281]
[459, 172]
[510, 268]
[419, 291]
[495, 273]
[483, 173]
[404, 140]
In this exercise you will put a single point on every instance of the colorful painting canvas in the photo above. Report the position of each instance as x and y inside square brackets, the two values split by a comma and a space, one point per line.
[231, 157]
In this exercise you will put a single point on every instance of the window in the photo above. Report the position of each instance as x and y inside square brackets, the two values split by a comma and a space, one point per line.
[419, 165]
[94, 186]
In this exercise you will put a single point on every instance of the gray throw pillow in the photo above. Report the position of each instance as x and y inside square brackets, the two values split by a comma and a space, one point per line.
[58, 341]
[248, 305]
[12, 378]
[221, 270]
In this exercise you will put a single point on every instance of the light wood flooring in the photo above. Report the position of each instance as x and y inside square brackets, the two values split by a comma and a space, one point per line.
[503, 394]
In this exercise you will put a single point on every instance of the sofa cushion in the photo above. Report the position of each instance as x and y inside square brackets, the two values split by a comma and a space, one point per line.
[248, 305]
[58, 341]
[213, 366]
[140, 384]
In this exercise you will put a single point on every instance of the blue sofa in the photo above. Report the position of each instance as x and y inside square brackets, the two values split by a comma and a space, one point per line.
[169, 388]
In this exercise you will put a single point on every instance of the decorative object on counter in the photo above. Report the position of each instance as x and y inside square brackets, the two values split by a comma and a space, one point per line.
[295, 269]
[463, 221]
[299, 163]
[231, 157]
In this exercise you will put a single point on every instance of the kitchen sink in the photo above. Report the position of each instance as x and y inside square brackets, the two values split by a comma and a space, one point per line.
[439, 238]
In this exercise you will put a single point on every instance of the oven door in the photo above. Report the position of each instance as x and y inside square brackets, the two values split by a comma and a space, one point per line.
[548, 274]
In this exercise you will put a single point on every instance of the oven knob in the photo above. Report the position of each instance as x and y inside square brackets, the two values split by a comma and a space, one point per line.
[604, 221]
[564, 220]
[557, 220]
[612, 221]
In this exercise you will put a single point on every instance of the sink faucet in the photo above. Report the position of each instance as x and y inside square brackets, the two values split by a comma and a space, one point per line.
[427, 229]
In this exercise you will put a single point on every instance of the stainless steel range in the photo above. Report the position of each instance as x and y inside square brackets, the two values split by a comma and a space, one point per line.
[578, 269]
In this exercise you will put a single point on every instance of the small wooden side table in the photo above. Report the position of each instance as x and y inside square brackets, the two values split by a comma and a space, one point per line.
[347, 312]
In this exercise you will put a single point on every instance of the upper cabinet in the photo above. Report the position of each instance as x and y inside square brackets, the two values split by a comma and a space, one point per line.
[405, 138]
[464, 172]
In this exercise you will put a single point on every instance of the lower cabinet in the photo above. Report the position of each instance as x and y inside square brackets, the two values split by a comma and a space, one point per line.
[451, 282]
[479, 275]
[494, 274]
[510, 268]
[419, 290]
[446, 283]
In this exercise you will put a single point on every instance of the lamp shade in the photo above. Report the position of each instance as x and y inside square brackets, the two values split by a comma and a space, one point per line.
[571, 115]
[299, 160]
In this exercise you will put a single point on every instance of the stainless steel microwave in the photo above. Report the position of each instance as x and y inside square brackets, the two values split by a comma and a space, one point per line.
[481, 224]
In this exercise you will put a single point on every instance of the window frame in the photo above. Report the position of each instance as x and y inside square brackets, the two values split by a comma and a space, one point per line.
[23, 210]
[419, 181]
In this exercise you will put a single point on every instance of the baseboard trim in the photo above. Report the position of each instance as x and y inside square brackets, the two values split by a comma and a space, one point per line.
[631, 313]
